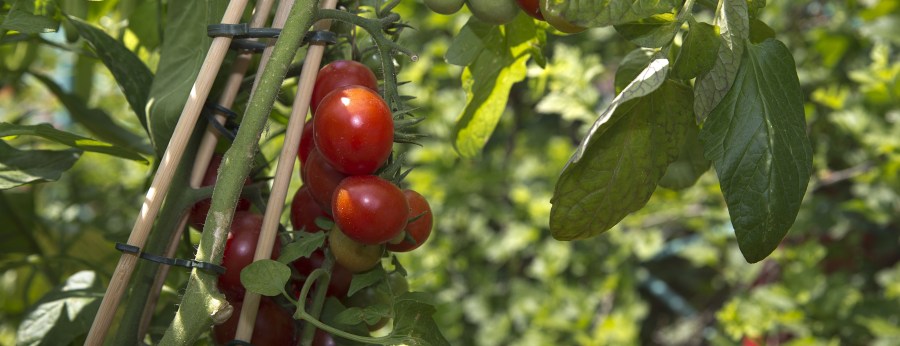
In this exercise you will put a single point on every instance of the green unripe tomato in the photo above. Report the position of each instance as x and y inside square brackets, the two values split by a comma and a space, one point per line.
[496, 12]
[444, 6]
[555, 19]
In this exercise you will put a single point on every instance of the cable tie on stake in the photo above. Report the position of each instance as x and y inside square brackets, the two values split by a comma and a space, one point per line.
[238, 343]
[217, 269]
[240, 30]
[320, 37]
[209, 110]
[247, 46]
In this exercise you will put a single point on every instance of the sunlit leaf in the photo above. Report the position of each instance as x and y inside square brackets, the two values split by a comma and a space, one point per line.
[69, 139]
[709, 88]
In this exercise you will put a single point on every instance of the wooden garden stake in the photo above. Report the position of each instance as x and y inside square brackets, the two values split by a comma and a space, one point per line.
[160, 185]
[283, 172]
[203, 157]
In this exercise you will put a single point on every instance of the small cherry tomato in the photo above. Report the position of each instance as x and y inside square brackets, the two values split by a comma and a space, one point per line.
[321, 179]
[354, 130]
[197, 217]
[495, 12]
[369, 210]
[420, 228]
[307, 143]
[239, 250]
[353, 255]
[445, 6]
[339, 74]
[305, 210]
[530, 7]
[274, 325]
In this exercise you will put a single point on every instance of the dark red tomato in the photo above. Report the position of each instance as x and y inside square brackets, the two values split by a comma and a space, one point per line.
[239, 250]
[339, 74]
[197, 217]
[274, 325]
[369, 210]
[340, 276]
[419, 229]
[321, 179]
[307, 142]
[531, 8]
[305, 210]
[322, 338]
[354, 130]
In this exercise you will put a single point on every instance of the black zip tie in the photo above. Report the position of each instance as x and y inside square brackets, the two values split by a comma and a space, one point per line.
[217, 269]
[238, 343]
[247, 45]
[240, 30]
[230, 115]
[320, 37]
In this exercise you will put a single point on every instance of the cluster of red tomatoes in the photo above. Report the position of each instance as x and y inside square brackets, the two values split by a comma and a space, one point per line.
[499, 12]
[349, 137]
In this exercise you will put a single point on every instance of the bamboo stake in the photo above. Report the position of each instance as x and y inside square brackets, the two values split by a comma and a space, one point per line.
[160, 185]
[283, 172]
[203, 157]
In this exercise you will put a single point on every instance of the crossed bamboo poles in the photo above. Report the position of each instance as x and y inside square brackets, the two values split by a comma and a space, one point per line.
[175, 150]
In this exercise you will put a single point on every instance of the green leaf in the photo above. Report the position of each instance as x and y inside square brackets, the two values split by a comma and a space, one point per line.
[350, 316]
[130, 72]
[596, 13]
[64, 314]
[655, 31]
[759, 31]
[70, 139]
[631, 66]
[265, 277]
[689, 166]
[144, 23]
[27, 18]
[711, 87]
[98, 122]
[366, 279]
[698, 53]
[370, 315]
[469, 42]
[487, 81]
[20, 167]
[413, 321]
[181, 55]
[617, 171]
[303, 247]
[756, 138]
[18, 211]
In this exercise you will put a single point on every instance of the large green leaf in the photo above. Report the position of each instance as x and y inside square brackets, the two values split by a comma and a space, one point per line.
[181, 56]
[689, 166]
[653, 32]
[756, 138]
[413, 321]
[130, 72]
[619, 169]
[303, 247]
[64, 314]
[711, 87]
[27, 18]
[698, 53]
[20, 167]
[75, 141]
[595, 13]
[98, 122]
[487, 80]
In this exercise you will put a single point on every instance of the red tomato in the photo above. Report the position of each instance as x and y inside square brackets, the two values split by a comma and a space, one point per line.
[239, 250]
[305, 210]
[369, 210]
[274, 325]
[340, 276]
[419, 229]
[197, 216]
[307, 142]
[354, 130]
[531, 8]
[321, 179]
[339, 74]
[322, 338]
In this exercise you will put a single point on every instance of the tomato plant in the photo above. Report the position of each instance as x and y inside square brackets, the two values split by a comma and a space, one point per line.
[340, 276]
[369, 209]
[239, 250]
[274, 325]
[418, 229]
[339, 74]
[496, 12]
[445, 6]
[197, 217]
[354, 130]
[552, 16]
[353, 255]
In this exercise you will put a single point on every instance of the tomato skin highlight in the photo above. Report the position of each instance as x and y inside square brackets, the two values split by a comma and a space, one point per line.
[197, 216]
[321, 179]
[369, 210]
[338, 74]
[420, 228]
[239, 250]
[274, 325]
[354, 130]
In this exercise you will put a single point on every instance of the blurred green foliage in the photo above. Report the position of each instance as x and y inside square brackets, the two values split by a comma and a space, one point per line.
[670, 273]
